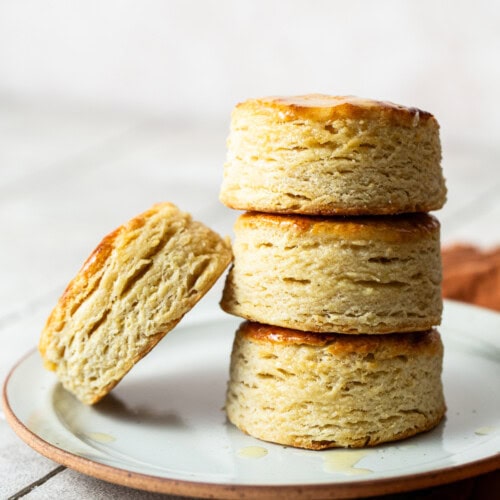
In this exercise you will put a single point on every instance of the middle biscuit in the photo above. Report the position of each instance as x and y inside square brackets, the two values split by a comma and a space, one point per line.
[347, 275]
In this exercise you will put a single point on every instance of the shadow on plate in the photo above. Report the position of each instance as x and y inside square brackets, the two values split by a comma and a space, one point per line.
[165, 401]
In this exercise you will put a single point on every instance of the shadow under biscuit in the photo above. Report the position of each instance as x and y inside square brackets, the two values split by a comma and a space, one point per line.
[165, 402]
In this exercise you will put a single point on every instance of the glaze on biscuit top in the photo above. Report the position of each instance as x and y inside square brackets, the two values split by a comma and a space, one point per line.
[326, 108]
[390, 229]
[338, 343]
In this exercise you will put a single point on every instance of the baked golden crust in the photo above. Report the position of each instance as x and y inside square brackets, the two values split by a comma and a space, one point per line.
[316, 392]
[325, 108]
[393, 344]
[133, 289]
[332, 155]
[346, 275]
[391, 229]
[79, 288]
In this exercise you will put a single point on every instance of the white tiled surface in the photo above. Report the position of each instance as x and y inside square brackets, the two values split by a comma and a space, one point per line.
[69, 177]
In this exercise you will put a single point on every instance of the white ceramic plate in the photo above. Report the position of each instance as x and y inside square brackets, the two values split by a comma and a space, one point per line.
[163, 428]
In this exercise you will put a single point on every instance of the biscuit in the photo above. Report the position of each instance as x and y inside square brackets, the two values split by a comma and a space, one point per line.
[348, 275]
[324, 391]
[326, 155]
[133, 289]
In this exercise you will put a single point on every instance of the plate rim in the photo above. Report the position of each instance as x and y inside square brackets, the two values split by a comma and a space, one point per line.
[203, 489]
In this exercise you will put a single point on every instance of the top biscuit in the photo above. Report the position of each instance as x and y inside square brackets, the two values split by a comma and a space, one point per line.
[332, 155]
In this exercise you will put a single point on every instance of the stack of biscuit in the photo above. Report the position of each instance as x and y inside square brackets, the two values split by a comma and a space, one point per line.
[337, 271]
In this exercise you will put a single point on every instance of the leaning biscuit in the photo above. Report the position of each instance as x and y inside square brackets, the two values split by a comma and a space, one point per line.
[133, 289]
[348, 275]
[324, 155]
[324, 391]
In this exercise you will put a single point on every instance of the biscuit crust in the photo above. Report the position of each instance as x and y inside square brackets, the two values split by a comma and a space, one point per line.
[337, 344]
[347, 275]
[384, 229]
[332, 155]
[325, 108]
[131, 291]
[326, 391]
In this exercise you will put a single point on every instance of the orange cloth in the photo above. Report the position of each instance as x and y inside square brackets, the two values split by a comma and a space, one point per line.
[472, 275]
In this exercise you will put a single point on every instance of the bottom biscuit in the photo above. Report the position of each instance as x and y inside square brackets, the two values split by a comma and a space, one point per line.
[321, 391]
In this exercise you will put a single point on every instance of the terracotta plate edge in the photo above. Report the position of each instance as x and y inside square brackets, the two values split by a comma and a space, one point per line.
[238, 491]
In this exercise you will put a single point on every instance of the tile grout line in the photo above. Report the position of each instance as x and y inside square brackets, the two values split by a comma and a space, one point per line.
[35, 484]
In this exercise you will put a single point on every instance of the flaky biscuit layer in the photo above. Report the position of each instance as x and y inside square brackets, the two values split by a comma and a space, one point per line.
[347, 275]
[133, 289]
[326, 155]
[325, 391]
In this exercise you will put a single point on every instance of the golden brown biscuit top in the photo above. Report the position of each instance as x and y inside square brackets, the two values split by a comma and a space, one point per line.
[82, 282]
[86, 279]
[391, 229]
[327, 108]
[341, 344]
